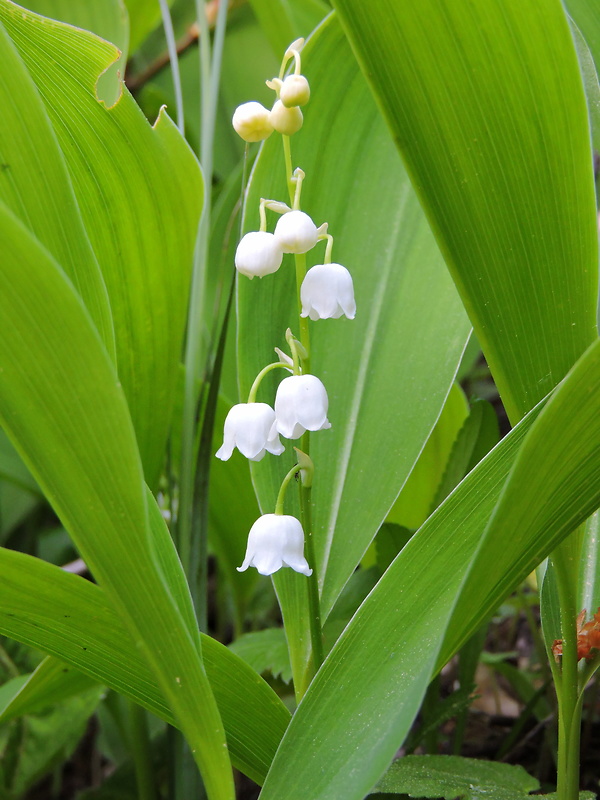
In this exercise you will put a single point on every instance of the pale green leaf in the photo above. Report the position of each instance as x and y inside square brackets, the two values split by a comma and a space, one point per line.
[542, 480]
[453, 777]
[71, 619]
[140, 192]
[63, 407]
[486, 104]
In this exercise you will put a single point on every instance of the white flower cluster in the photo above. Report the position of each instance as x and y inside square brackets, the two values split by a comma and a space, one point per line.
[254, 428]
[276, 540]
[327, 290]
[253, 122]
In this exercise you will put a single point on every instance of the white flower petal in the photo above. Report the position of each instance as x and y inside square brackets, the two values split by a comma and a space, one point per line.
[301, 405]
[276, 541]
[258, 254]
[327, 292]
[249, 427]
[296, 232]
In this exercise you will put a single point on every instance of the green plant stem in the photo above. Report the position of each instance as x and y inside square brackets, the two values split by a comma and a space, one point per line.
[141, 752]
[314, 603]
[567, 690]
[174, 60]
[316, 632]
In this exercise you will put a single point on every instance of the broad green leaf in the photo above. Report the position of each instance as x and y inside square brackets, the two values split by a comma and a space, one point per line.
[71, 619]
[413, 505]
[453, 777]
[144, 16]
[589, 566]
[283, 21]
[63, 407]
[542, 480]
[486, 104]
[388, 371]
[589, 75]
[37, 743]
[585, 14]
[553, 488]
[140, 192]
[265, 651]
[475, 439]
[51, 683]
[13, 469]
[105, 18]
[35, 184]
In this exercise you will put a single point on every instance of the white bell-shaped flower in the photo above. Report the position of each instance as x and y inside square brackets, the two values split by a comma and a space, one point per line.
[301, 405]
[296, 232]
[294, 91]
[251, 428]
[258, 254]
[276, 541]
[327, 292]
[252, 121]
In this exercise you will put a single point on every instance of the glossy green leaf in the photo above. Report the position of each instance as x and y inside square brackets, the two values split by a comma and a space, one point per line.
[283, 21]
[144, 16]
[486, 103]
[70, 618]
[589, 567]
[542, 480]
[388, 371]
[478, 435]
[452, 777]
[51, 683]
[414, 503]
[35, 744]
[585, 14]
[140, 192]
[35, 184]
[63, 407]
[105, 18]
[13, 469]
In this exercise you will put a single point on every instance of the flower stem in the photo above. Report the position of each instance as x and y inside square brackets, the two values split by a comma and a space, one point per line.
[314, 603]
[289, 176]
[283, 489]
[565, 562]
[257, 381]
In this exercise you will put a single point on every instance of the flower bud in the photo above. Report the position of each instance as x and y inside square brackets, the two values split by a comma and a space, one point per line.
[296, 232]
[294, 91]
[252, 121]
[276, 541]
[251, 428]
[327, 292]
[285, 120]
[301, 405]
[258, 254]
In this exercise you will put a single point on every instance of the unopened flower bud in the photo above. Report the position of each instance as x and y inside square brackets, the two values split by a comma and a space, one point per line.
[296, 232]
[252, 121]
[294, 91]
[285, 120]
[258, 254]
[327, 292]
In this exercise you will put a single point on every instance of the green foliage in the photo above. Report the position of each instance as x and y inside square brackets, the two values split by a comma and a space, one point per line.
[456, 778]
[265, 651]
